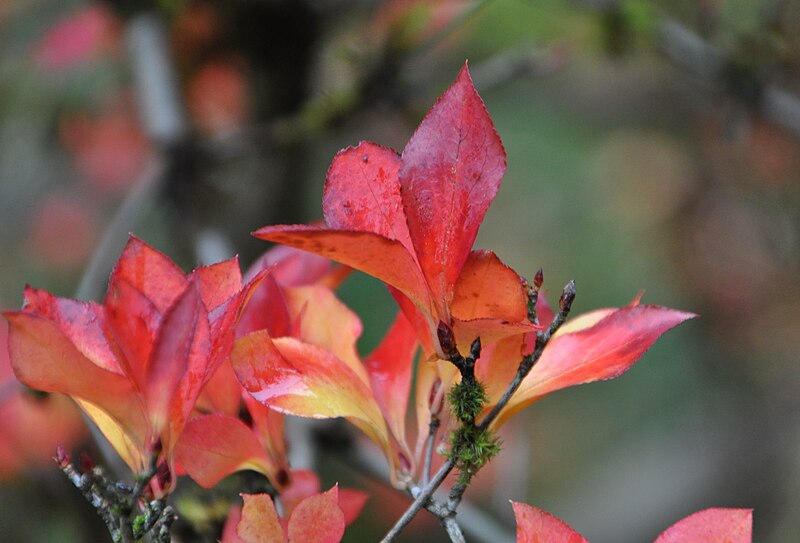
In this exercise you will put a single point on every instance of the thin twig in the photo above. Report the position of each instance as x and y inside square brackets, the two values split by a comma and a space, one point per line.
[424, 496]
[421, 499]
[543, 338]
[433, 430]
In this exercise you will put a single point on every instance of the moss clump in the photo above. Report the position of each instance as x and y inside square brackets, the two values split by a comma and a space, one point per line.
[467, 399]
[472, 449]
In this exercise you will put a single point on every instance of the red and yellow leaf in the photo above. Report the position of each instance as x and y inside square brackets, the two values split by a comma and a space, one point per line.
[323, 320]
[304, 380]
[605, 349]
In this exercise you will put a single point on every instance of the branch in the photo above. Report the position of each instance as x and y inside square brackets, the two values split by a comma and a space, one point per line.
[421, 500]
[527, 363]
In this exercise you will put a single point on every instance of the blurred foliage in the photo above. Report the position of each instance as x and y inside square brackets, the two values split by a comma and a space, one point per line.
[625, 173]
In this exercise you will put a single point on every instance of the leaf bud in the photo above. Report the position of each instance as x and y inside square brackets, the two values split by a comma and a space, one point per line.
[538, 279]
[447, 339]
[567, 297]
[62, 457]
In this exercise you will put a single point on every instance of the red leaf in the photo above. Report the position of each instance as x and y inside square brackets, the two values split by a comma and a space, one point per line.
[712, 526]
[351, 502]
[318, 518]
[266, 311]
[304, 483]
[218, 282]
[362, 193]
[83, 323]
[451, 170]
[321, 319]
[133, 324]
[181, 350]
[537, 526]
[149, 271]
[390, 367]
[294, 268]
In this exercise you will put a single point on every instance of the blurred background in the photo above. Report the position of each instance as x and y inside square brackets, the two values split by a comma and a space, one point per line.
[651, 145]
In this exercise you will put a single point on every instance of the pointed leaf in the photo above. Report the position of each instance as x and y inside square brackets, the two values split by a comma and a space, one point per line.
[390, 367]
[537, 526]
[362, 192]
[211, 447]
[323, 320]
[151, 272]
[351, 502]
[259, 522]
[218, 282]
[376, 255]
[317, 518]
[603, 351]
[266, 310]
[133, 324]
[304, 483]
[712, 526]
[303, 380]
[487, 288]
[83, 323]
[451, 170]
[294, 268]
[44, 359]
[182, 346]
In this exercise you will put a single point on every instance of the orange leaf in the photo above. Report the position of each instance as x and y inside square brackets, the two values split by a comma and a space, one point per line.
[259, 522]
[212, 447]
[376, 255]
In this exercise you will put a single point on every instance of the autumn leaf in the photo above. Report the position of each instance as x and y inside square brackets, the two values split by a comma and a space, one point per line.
[712, 526]
[599, 345]
[318, 517]
[707, 526]
[537, 526]
[137, 363]
[411, 221]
